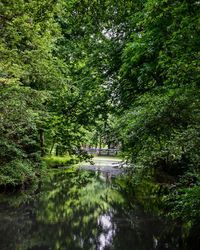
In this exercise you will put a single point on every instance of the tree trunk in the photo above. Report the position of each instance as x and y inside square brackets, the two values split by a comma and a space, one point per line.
[42, 148]
[57, 150]
[50, 152]
[100, 142]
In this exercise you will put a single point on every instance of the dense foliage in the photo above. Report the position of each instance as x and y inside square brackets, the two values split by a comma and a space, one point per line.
[45, 106]
[122, 73]
[26, 39]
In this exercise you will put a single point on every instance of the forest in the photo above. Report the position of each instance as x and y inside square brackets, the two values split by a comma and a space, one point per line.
[103, 72]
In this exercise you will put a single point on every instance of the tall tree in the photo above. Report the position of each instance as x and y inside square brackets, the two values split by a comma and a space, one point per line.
[28, 72]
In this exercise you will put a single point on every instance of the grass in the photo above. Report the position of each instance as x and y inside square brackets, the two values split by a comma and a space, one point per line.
[60, 161]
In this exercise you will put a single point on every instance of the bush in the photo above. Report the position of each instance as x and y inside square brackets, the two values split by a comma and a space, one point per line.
[185, 204]
[162, 130]
[16, 173]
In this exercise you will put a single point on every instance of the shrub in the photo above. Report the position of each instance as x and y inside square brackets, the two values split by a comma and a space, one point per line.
[16, 172]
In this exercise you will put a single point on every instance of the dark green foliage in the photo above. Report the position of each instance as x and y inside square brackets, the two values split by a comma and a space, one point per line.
[157, 92]
[110, 72]
[16, 173]
[163, 129]
[159, 87]
[164, 49]
[20, 113]
[26, 40]
[185, 205]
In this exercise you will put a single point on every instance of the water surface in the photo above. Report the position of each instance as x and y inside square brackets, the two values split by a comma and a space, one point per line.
[81, 209]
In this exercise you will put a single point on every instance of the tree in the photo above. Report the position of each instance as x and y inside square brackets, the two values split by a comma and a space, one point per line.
[28, 72]
[158, 85]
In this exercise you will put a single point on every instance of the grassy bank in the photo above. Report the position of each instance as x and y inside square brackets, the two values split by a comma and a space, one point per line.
[60, 161]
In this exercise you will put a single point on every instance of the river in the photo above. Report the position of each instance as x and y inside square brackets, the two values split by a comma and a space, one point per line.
[84, 209]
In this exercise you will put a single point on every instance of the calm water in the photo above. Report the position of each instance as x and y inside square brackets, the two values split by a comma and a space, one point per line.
[84, 210]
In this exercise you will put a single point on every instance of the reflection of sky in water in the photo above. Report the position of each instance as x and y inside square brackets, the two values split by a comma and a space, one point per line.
[111, 167]
[106, 237]
[76, 210]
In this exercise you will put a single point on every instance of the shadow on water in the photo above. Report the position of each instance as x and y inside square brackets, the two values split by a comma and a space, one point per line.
[84, 210]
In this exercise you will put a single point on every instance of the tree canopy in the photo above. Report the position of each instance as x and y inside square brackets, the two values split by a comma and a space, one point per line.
[122, 73]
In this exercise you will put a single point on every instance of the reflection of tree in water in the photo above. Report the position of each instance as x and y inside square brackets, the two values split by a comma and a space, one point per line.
[74, 210]
[78, 210]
